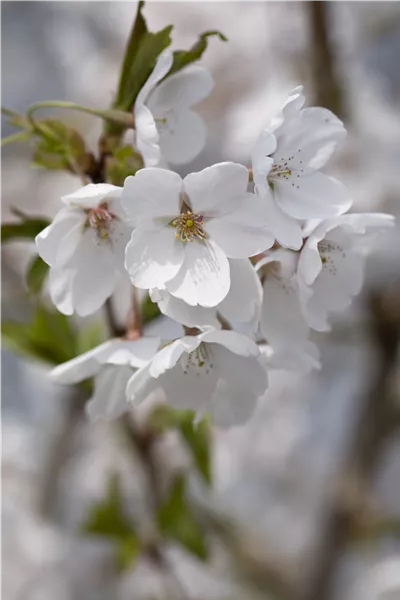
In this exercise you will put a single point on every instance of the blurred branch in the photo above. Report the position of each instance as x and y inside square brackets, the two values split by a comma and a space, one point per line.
[58, 454]
[378, 420]
[328, 91]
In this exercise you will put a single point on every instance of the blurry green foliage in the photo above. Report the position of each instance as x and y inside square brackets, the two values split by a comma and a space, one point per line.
[149, 310]
[108, 519]
[48, 337]
[197, 437]
[59, 147]
[36, 274]
[176, 521]
[122, 163]
[28, 227]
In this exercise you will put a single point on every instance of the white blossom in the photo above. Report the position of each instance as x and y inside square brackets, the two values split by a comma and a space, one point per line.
[242, 304]
[282, 322]
[165, 127]
[111, 364]
[286, 162]
[84, 246]
[216, 372]
[330, 269]
[185, 231]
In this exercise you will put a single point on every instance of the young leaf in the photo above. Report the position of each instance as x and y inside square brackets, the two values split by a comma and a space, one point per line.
[59, 147]
[182, 58]
[139, 29]
[36, 274]
[27, 228]
[176, 521]
[142, 64]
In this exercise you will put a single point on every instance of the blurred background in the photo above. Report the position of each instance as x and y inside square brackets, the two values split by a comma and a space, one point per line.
[276, 475]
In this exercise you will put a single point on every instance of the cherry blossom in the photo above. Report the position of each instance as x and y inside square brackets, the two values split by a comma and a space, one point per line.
[282, 322]
[216, 372]
[330, 269]
[165, 127]
[111, 364]
[242, 304]
[185, 231]
[84, 246]
[286, 161]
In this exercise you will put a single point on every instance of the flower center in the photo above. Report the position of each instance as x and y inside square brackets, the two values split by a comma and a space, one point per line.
[99, 219]
[188, 226]
[199, 361]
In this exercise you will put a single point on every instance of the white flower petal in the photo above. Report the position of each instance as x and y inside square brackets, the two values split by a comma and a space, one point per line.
[216, 190]
[146, 136]
[243, 301]
[181, 90]
[109, 399]
[58, 242]
[153, 257]
[232, 340]
[204, 275]
[340, 279]
[312, 139]
[152, 194]
[140, 385]
[135, 353]
[315, 195]
[282, 322]
[189, 386]
[119, 235]
[242, 381]
[243, 232]
[182, 138]
[162, 66]
[60, 288]
[90, 195]
[95, 274]
[168, 356]
[191, 316]
[286, 230]
[83, 366]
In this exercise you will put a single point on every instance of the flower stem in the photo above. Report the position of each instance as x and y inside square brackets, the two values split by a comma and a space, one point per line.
[116, 116]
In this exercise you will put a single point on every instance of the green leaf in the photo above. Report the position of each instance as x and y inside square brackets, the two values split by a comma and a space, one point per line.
[49, 337]
[107, 519]
[36, 274]
[176, 521]
[139, 29]
[27, 228]
[141, 65]
[185, 57]
[123, 162]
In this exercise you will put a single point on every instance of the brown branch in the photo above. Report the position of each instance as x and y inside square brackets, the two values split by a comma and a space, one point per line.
[328, 91]
[377, 421]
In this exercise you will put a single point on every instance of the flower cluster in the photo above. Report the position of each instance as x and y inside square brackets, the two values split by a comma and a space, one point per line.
[249, 261]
